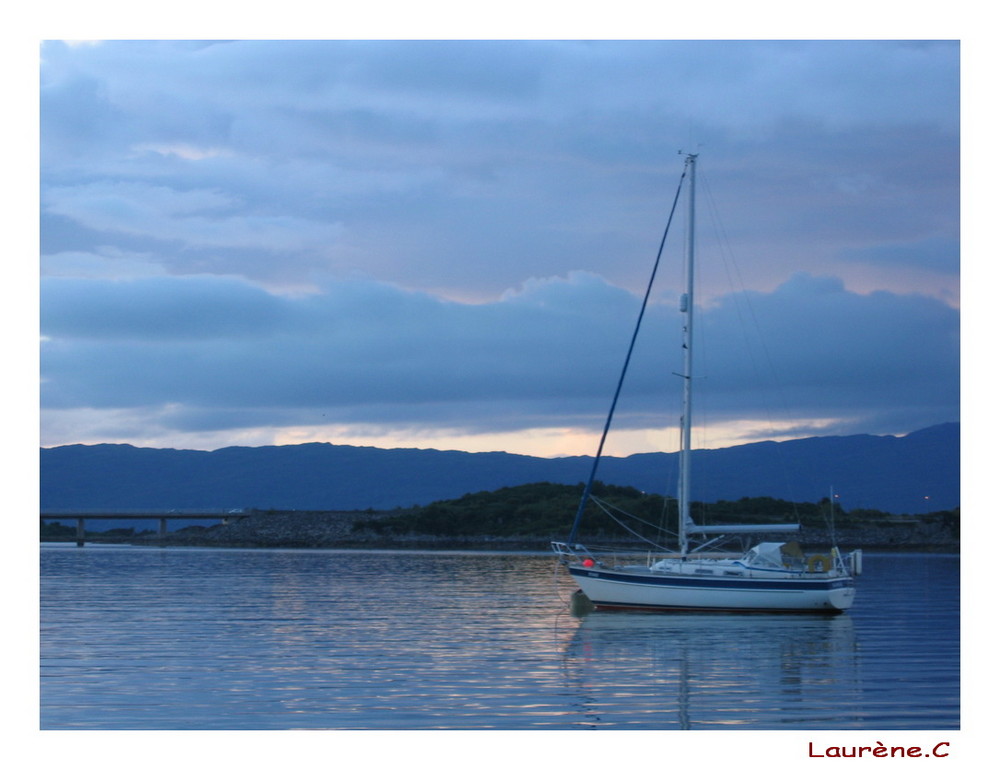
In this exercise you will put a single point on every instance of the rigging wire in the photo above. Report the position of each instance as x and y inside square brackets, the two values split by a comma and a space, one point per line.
[628, 358]
[608, 508]
[745, 308]
[747, 318]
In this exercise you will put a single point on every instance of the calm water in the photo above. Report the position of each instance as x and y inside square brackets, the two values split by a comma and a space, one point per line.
[145, 638]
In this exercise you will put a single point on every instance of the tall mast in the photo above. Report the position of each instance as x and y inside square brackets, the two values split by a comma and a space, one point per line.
[687, 308]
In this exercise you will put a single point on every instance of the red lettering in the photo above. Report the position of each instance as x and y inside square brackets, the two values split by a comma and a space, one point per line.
[879, 750]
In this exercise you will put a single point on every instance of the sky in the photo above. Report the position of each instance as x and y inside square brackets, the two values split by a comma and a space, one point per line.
[444, 244]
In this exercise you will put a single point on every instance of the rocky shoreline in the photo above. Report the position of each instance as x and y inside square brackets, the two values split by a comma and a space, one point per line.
[337, 529]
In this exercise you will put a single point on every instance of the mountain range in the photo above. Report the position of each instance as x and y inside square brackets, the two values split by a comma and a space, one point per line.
[915, 473]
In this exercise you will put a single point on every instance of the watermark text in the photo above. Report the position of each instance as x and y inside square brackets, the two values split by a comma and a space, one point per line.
[879, 750]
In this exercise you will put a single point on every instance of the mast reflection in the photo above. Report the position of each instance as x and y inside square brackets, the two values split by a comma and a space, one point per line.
[707, 671]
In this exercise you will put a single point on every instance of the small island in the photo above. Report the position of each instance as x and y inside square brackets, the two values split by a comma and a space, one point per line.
[529, 516]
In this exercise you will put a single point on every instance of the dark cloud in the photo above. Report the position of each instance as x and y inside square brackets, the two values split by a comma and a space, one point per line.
[221, 352]
[156, 309]
[259, 232]
[940, 255]
[829, 351]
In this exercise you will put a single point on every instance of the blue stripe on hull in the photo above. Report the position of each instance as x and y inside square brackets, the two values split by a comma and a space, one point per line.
[727, 610]
[685, 581]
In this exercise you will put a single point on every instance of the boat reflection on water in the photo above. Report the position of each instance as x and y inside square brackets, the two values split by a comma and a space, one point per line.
[714, 671]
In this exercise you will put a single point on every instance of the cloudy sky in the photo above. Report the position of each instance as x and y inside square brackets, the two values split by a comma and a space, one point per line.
[445, 244]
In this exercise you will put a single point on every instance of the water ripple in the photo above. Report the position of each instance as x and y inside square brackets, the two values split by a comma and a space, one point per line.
[136, 638]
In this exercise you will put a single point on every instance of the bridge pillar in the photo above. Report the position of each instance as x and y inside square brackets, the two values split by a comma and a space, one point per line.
[163, 528]
[79, 532]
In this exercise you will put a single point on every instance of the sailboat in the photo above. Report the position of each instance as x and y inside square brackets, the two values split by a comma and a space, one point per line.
[772, 576]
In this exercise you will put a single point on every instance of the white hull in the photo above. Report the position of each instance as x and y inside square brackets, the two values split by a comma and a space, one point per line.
[643, 589]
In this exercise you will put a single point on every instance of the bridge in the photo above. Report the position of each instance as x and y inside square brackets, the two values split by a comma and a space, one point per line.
[161, 516]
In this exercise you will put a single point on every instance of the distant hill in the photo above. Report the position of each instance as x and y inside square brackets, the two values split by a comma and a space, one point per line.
[916, 473]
